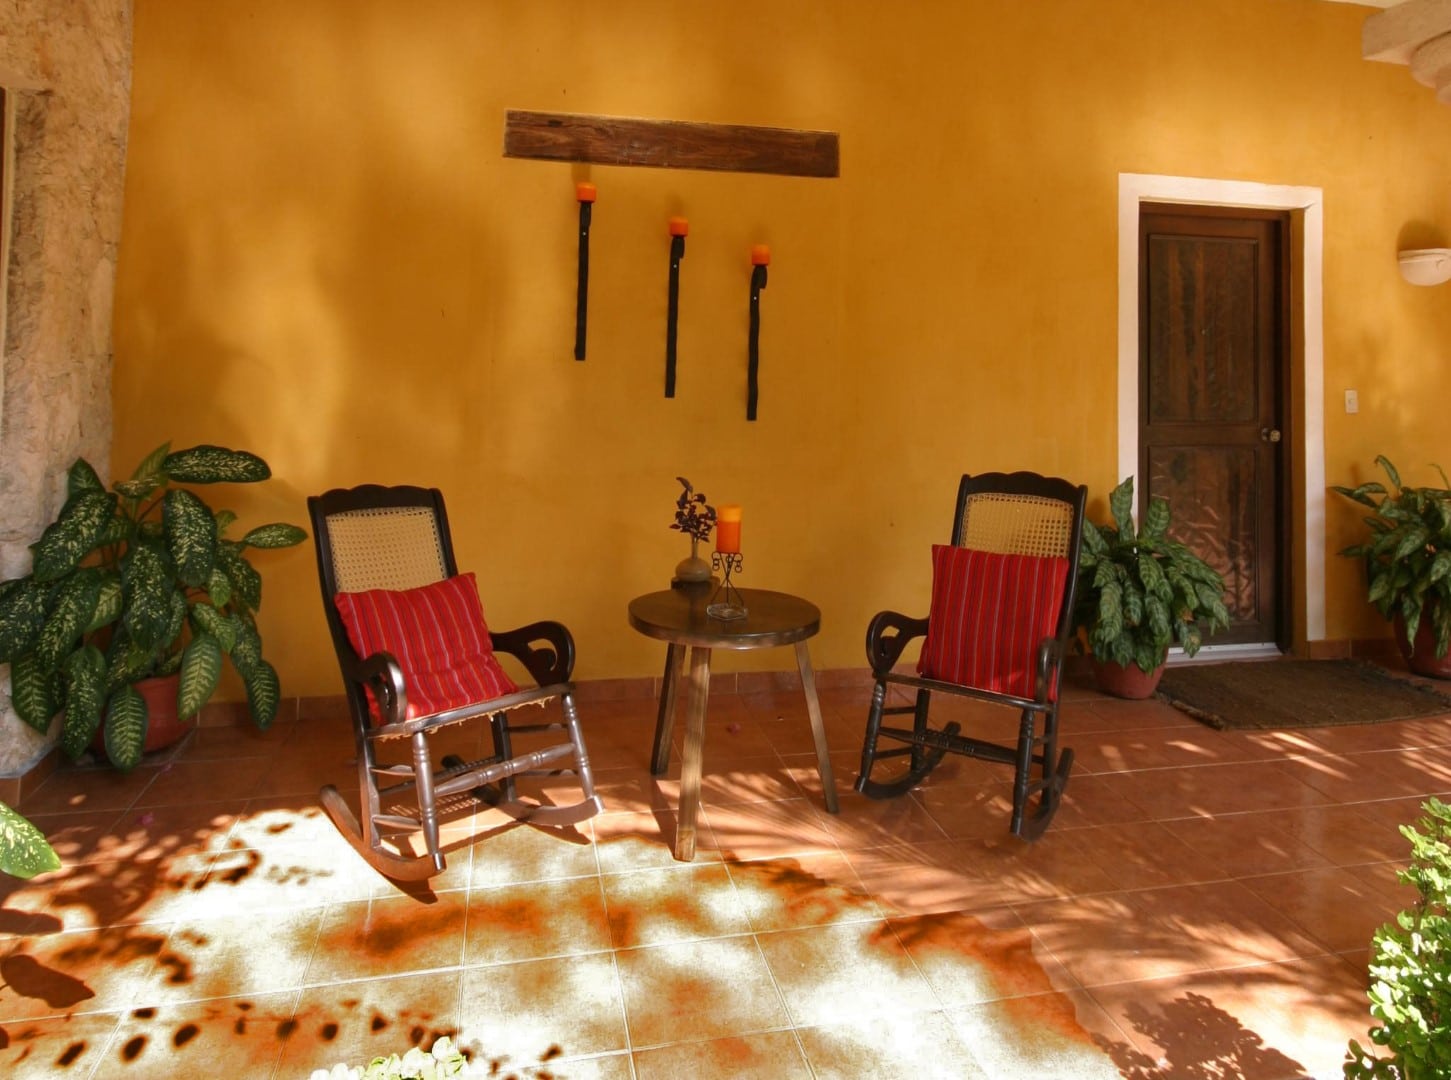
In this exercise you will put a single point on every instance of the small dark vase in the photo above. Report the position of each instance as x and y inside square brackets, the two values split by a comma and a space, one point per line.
[1421, 656]
[694, 569]
[1126, 681]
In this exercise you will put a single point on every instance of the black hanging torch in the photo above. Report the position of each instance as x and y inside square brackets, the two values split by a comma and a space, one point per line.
[584, 192]
[760, 258]
[679, 229]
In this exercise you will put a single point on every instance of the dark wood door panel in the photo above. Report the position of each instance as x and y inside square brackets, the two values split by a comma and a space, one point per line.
[1212, 377]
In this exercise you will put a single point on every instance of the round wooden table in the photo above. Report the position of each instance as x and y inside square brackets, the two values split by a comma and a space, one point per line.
[678, 616]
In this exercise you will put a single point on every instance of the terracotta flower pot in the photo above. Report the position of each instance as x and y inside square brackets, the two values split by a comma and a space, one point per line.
[1421, 656]
[163, 729]
[1126, 682]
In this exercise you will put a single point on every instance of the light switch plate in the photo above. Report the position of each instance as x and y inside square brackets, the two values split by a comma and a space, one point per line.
[1352, 401]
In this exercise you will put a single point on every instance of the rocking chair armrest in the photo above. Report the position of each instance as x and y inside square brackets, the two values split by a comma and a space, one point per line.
[1051, 653]
[381, 676]
[547, 665]
[887, 635]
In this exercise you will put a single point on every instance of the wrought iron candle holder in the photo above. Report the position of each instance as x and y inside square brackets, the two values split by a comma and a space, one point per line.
[727, 602]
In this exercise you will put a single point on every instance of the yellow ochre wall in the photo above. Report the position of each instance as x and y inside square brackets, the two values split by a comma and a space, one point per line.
[327, 259]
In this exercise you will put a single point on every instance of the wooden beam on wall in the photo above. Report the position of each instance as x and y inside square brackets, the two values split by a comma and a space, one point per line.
[670, 144]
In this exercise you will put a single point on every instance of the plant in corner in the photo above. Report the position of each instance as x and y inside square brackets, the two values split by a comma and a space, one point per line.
[1408, 564]
[1139, 592]
[136, 582]
[1410, 966]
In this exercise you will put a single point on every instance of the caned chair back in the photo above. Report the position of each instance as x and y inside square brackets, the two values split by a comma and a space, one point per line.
[1011, 524]
[388, 547]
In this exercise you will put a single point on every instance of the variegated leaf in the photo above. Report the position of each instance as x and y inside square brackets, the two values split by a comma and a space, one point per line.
[247, 652]
[108, 601]
[246, 582]
[126, 720]
[73, 535]
[151, 465]
[32, 692]
[85, 672]
[219, 589]
[71, 611]
[22, 613]
[207, 619]
[201, 668]
[147, 582]
[80, 477]
[191, 536]
[24, 851]
[264, 692]
[277, 535]
[215, 465]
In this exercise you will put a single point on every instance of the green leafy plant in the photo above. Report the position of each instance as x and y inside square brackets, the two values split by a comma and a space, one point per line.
[1410, 966]
[132, 582]
[1408, 555]
[1140, 592]
[443, 1060]
[24, 851]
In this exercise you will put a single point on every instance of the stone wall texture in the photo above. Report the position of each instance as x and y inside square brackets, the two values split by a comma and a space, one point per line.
[67, 64]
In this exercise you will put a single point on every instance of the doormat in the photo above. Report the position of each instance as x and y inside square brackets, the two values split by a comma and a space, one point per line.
[1296, 694]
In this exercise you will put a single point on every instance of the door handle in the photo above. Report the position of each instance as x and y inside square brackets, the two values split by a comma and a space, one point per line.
[1270, 434]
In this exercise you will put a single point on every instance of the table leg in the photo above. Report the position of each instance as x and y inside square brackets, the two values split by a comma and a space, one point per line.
[665, 721]
[696, 697]
[818, 729]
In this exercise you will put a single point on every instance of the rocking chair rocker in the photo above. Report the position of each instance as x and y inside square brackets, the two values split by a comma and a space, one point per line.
[998, 632]
[416, 657]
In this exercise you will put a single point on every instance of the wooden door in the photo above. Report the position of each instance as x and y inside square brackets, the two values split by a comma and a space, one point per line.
[1213, 435]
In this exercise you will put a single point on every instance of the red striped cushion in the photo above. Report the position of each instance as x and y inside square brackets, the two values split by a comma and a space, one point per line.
[989, 613]
[438, 636]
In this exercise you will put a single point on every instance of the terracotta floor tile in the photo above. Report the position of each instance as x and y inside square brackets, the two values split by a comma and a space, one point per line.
[1345, 835]
[543, 1010]
[244, 954]
[1104, 939]
[912, 1046]
[864, 822]
[1095, 800]
[375, 938]
[1226, 924]
[772, 1054]
[66, 1046]
[679, 903]
[968, 959]
[517, 852]
[1276, 1021]
[1332, 905]
[1239, 845]
[1144, 855]
[127, 891]
[535, 920]
[699, 990]
[78, 971]
[352, 1022]
[641, 841]
[237, 1036]
[81, 837]
[79, 789]
[1058, 1035]
[205, 781]
[809, 890]
[923, 879]
[831, 974]
[765, 830]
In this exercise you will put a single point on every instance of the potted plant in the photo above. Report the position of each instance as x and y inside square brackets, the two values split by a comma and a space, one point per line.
[695, 518]
[132, 584]
[1408, 564]
[1410, 966]
[1140, 592]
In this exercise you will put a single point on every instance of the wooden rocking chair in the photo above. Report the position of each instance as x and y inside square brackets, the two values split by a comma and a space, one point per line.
[416, 657]
[998, 631]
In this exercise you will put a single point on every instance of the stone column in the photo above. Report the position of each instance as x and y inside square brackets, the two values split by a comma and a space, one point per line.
[66, 65]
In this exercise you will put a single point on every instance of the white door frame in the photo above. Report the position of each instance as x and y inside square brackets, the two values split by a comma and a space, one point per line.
[1136, 188]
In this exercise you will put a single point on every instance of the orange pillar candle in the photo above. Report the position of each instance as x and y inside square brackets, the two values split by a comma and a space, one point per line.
[760, 255]
[728, 529]
[679, 226]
